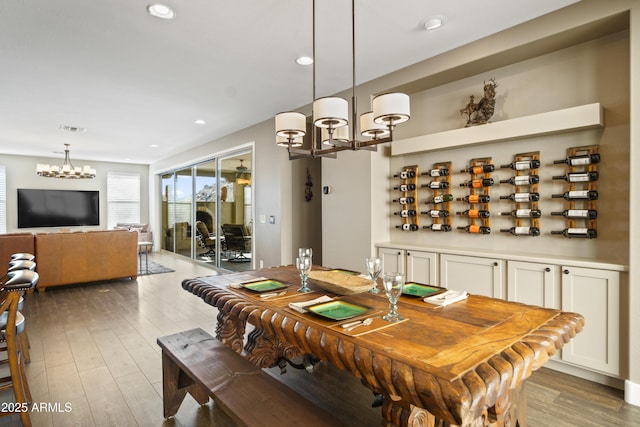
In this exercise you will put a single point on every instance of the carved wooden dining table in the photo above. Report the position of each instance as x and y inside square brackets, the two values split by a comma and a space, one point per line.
[465, 364]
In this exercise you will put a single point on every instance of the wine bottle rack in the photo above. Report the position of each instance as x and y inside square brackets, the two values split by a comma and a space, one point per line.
[479, 171]
[408, 176]
[524, 226]
[582, 227]
[439, 223]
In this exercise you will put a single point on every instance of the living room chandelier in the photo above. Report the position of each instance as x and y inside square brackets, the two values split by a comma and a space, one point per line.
[331, 117]
[67, 170]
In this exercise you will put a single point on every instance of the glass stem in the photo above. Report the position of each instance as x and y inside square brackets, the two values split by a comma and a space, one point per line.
[393, 309]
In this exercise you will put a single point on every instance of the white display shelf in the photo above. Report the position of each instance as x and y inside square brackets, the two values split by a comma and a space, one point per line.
[582, 117]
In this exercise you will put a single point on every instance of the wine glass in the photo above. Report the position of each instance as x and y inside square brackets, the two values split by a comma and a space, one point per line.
[374, 268]
[303, 264]
[393, 284]
[305, 252]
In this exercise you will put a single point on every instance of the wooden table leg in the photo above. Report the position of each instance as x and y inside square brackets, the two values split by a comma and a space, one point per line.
[230, 330]
[399, 414]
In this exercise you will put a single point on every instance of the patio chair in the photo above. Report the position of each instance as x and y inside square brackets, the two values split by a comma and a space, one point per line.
[236, 241]
[205, 240]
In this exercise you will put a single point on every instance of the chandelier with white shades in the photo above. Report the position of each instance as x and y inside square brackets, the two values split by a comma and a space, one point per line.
[337, 122]
[67, 170]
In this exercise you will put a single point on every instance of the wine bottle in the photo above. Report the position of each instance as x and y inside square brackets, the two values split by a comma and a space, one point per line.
[475, 213]
[521, 180]
[524, 213]
[475, 198]
[405, 213]
[476, 229]
[405, 187]
[578, 213]
[579, 176]
[405, 174]
[585, 233]
[405, 200]
[438, 227]
[522, 165]
[437, 185]
[583, 159]
[437, 172]
[522, 197]
[479, 169]
[522, 231]
[436, 213]
[577, 195]
[442, 198]
[408, 227]
[478, 183]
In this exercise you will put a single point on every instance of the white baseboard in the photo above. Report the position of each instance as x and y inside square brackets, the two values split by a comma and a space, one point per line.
[632, 393]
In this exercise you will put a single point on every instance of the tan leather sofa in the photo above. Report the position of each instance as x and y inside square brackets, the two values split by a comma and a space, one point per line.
[68, 258]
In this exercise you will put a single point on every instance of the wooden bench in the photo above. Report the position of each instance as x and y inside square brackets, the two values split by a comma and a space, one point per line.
[194, 362]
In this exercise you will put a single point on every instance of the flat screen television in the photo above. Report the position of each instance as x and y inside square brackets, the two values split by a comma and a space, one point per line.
[57, 208]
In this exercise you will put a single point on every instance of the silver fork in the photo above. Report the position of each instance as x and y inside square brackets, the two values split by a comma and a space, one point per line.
[273, 295]
[365, 322]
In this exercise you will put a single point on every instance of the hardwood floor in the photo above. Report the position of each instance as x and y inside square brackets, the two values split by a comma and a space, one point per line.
[93, 348]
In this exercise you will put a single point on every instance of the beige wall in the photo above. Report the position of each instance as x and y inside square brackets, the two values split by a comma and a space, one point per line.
[596, 71]
[632, 387]
[21, 173]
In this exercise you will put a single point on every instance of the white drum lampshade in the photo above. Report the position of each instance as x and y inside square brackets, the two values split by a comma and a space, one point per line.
[340, 135]
[284, 142]
[371, 129]
[291, 125]
[391, 108]
[330, 112]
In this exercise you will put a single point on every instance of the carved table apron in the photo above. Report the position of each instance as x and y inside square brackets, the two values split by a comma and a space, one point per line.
[464, 364]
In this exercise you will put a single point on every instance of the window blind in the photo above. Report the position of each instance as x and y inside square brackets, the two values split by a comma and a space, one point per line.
[123, 198]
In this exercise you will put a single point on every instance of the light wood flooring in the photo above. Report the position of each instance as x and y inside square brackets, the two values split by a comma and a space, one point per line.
[94, 348]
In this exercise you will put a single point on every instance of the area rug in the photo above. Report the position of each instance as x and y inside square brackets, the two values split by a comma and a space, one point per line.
[154, 268]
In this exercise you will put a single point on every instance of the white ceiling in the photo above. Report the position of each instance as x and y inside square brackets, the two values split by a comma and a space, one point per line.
[132, 80]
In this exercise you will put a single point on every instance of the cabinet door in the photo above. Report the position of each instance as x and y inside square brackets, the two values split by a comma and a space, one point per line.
[532, 283]
[392, 260]
[422, 267]
[479, 276]
[595, 294]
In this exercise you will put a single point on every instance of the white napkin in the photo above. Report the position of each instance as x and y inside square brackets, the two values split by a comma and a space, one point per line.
[300, 307]
[446, 298]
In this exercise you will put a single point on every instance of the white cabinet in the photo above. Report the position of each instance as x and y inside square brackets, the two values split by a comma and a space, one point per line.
[595, 294]
[533, 283]
[393, 260]
[422, 267]
[479, 276]
[418, 266]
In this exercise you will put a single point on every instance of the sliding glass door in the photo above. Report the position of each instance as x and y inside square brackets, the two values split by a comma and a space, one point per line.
[207, 211]
[236, 212]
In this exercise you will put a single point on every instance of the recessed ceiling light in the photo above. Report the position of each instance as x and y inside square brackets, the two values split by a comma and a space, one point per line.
[161, 11]
[200, 122]
[72, 128]
[304, 60]
[154, 146]
[435, 22]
